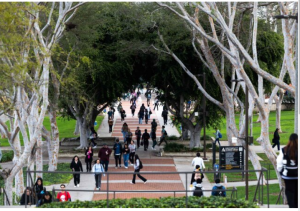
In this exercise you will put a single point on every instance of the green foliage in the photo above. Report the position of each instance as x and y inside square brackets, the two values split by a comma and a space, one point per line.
[7, 156]
[176, 147]
[173, 137]
[164, 202]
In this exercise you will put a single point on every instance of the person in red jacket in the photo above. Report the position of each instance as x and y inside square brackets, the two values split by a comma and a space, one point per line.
[104, 154]
[63, 195]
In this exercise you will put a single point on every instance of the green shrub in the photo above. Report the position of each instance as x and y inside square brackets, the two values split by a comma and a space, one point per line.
[207, 137]
[173, 137]
[175, 147]
[7, 156]
[164, 202]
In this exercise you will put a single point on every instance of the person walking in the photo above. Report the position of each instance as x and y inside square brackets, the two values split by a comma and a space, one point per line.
[126, 152]
[148, 95]
[218, 135]
[146, 116]
[132, 149]
[63, 195]
[153, 137]
[145, 139]
[76, 166]
[137, 167]
[153, 125]
[164, 114]
[104, 154]
[287, 165]
[276, 139]
[123, 114]
[128, 137]
[155, 104]
[198, 161]
[149, 112]
[163, 137]
[124, 131]
[141, 116]
[197, 174]
[132, 107]
[110, 124]
[93, 137]
[117, 153]
[110, 114]
[89, 158]
[98, 170]
[138, 135]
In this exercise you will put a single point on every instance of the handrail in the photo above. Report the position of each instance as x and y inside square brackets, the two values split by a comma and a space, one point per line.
[234, 190]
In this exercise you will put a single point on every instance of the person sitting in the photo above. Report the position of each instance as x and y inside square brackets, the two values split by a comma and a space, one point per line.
[47, 198]
[218, 189]
[29, 195]
[198, 188]
[63, 195]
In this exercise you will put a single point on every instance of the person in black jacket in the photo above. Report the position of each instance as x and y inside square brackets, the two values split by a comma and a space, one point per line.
[47, 198]
[29, 195]
[39, 188]
[89, 158]
[76, 166]
[276, 139]
[145, 138]
[138, 135]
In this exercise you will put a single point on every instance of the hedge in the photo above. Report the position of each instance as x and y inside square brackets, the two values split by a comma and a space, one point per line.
[164, 202]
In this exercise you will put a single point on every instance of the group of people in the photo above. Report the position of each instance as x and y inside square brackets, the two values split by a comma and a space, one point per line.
[36, 195]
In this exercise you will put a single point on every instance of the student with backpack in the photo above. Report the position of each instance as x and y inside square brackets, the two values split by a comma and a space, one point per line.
[218, 136]
[145, 139]
[153, 136]
[117, 153]
[198, 161]
[163, 137]
[218, 189]
[287, 165]
[146, 116]
[198, 188]
[197, 174]
[138, 165]
[98, 170]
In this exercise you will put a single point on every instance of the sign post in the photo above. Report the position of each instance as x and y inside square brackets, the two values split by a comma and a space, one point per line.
[231, 157]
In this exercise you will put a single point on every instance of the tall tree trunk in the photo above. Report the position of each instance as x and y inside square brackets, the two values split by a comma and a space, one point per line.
[83, 135]
[53, 160]
[39, 157]
[77, 127]
[195, 138]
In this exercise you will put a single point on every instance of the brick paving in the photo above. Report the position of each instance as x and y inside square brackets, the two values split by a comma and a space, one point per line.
[135, 195]
[155, 182]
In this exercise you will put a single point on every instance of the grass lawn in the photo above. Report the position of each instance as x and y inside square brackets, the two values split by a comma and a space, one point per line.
[273, 193]
[287, 126]
[66, 128]
[235, 177]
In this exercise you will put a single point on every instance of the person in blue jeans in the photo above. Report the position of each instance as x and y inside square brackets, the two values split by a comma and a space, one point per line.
[217, 134]
[126, 152]
[104, 154]
[117, 152]
[141, 116]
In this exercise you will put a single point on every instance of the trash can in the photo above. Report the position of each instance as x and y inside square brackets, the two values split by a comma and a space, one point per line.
[250, 140]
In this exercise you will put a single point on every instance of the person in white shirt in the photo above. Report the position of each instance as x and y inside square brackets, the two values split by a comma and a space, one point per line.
[137, 169]
[98, 170]
[198, 161]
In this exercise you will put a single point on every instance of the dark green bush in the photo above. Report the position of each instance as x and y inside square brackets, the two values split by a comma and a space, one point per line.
[173, 137]
[164, 202]
[175, 147]
[7, 156]
[207, 137]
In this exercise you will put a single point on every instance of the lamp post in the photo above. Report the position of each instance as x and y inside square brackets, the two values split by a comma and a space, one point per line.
[246, 136]
[204, 115]
[296, 73]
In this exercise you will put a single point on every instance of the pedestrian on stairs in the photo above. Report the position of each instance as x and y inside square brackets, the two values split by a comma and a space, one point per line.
[145, 139]
[153, 136]
[117, 153]
[138, 135]
[104, 154]
[164, 114]
[123, 114]
[110, 124]
[155, 104]
[124, 131]
[128, 137]
[126, 153]
[132, 107]
[141, 116]
[137, 167]
[132, 149]
[146, 116]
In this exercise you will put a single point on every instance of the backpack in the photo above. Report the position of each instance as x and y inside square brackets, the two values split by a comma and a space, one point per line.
[198, 191]
[290, 168]
[220, 135]
[165, 133]
[141, 165]
[218, 191]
